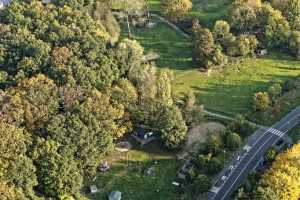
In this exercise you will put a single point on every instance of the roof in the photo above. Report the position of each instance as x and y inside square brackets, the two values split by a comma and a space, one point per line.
[141, 131]
[115, 195]
[4, 2]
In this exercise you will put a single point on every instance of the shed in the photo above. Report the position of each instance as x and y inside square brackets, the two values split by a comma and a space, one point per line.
[4, 3]
[143, 135]
[115, 195]
[93, 189]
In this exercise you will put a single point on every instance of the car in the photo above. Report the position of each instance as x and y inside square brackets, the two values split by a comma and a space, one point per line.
[230, 167]
[238, 158]
[219, 183]
[279, 142]
[223, 178]
[227, 172]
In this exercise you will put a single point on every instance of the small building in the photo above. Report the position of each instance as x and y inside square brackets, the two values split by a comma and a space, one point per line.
[262, 52]
[4, 3]
[115, 195]
[93, 189]
[143, 136]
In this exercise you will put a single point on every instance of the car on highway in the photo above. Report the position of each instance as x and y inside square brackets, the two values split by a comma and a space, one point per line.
[279, 142]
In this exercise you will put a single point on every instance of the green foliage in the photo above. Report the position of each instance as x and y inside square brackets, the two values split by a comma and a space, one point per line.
[270, 154]
[173, 128]
[58, 175]
[202, 183]
[175, 10]
[276, 29]
[214, 166]
[63, 42]
[164, 88]
[243, 16]
[294, 43]
[233, 141]
[242, 126]
[261, 102]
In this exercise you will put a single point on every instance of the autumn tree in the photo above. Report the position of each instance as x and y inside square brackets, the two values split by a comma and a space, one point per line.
[261, 101]
[282, 179]
[175, 10]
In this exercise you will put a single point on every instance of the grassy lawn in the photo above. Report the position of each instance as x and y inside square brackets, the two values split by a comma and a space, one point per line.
[209, 11]
[128, 175]
[229, 90]
[175, 50]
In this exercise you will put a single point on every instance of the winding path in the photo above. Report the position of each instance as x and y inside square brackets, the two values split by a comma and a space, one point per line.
[172, 25]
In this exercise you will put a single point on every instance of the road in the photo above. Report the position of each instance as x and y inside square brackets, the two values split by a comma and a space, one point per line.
[249, 159]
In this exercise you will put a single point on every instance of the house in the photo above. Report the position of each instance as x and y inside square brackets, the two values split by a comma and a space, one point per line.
[4, 3]
[115, 195]
[143, 135]
[262, 52]
[93, 189]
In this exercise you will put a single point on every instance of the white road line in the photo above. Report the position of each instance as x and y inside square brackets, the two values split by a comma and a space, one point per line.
[245, 167]
[252, 156]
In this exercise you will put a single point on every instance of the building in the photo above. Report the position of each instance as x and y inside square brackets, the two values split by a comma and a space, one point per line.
[143, 136]
[4, 3]
[115, 195]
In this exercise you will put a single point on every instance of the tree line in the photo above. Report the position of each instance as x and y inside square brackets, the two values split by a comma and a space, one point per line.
[69, 88]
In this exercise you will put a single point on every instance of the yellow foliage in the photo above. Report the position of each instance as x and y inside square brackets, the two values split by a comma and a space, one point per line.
[284, 175]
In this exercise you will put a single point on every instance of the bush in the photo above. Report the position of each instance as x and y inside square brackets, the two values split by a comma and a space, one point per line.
[175, 10]
[214, 165]
[233, 141]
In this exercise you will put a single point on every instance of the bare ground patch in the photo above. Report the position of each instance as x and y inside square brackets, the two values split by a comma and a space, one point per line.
[198, 134]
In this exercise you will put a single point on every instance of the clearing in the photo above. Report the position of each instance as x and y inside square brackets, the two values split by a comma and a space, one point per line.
[128, 174]
[198, 134]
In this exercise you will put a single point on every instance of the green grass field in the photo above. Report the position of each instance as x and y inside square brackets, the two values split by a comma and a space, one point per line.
[129, 176]
[209, 11]
[229, 90]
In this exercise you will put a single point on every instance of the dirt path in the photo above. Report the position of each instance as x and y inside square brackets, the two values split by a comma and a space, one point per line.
[199, 134]
[172, 25]
[228, 118]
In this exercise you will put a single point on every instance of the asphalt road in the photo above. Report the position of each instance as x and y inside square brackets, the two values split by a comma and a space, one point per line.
[250, 159]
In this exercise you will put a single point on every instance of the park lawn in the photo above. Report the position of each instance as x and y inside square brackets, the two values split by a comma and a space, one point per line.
[207, 11]
[229, 90]
[128, 175]
[210, 11]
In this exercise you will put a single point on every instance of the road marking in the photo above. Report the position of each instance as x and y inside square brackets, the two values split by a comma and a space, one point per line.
[245, 167]
[297, 116]
[277, 132]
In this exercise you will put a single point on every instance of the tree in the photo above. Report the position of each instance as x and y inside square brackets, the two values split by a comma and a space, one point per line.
[270, 154]
[173, 127]
[22, 173]
[233, 141]
[175, 10]
[274, 91]
[276, 29]
[13, 143]
[214, 166]
[213, 144]
[261, 102]
[220, 31]
[164, 88]
[289, 8]
[10, 192]
[204, 47]
[241, 125]
[202, 183]
[243, 18]
[282, 179]
[264, 194]
[294, 43]
[59, 175]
